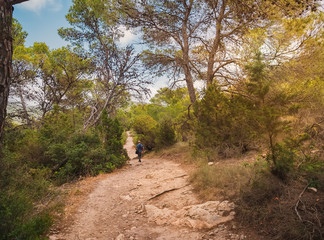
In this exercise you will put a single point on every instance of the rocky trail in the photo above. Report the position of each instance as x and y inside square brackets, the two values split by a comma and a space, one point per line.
[148, 200]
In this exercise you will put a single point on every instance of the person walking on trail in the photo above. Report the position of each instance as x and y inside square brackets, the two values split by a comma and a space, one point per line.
[139, 150]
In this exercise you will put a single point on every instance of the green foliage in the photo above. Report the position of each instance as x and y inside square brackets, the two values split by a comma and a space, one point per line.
[82, 14]
[26, 144]
[88, 153]
[258, 84]
[145, 128]
[164, 120]
[223, 122]
[295, 154]
[270, 102]
[84, 156]
[16, 222]
[270, 107]
[165, 134]
[20, 188]
[48, 77]
[124, 117]
[281, 160]
[57, 151]
[34, 228]
[19, 35]
[57, 126]
[69, 153]
[166, 104]
[266, 102]
[112, 133]
[96, 29]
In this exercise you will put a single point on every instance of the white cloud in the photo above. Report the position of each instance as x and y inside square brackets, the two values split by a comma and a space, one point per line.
[38, 5]
[128, 36]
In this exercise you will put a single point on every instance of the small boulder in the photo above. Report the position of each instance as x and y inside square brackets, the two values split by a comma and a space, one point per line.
[120, 237]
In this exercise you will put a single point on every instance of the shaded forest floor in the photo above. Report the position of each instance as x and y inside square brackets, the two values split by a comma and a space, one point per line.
[148, 200]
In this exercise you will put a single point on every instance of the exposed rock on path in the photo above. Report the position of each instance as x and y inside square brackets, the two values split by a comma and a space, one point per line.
[148, 200]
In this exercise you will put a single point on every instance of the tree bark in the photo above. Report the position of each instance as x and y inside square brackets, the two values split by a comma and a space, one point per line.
[5, 58]
[25, 114]
[185, 52]
[215, 45]
[186, 68]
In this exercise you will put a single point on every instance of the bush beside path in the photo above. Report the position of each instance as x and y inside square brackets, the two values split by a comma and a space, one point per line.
[148, 200]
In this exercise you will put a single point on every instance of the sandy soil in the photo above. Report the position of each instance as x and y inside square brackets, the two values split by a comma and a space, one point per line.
[113, 206]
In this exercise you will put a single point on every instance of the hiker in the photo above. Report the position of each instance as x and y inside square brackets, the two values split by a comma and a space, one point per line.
[139, 150]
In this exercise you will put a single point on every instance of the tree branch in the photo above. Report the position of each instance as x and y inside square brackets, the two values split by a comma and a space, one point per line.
[298, 201]
[166, 191]
[13, 2]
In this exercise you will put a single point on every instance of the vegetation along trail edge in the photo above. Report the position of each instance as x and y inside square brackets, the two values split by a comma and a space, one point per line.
[148, 200]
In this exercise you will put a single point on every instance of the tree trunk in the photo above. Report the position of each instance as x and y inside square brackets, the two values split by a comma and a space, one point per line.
[185, 56]
[189, 81]
[215, 46]
[187, 72]
[5, 60]
[25, 114]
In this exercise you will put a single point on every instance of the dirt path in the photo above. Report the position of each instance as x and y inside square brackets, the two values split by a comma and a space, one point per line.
[148, 200]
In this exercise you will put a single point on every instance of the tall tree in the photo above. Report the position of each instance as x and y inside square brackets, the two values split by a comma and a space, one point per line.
[48, 77]
[61, 71]
[230, 21]
[6, 48]
[95, 27]
[201, 38]
[22, 71]
[170, 28]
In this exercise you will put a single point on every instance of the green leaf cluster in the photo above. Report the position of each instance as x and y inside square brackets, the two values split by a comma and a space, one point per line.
[56, 152]
[22, 188]
[223, 122]
[161, 122]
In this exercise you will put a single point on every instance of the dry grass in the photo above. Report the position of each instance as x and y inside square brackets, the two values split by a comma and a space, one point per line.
[221, 181]
[271, 207]
[180, 152]
[264, 203]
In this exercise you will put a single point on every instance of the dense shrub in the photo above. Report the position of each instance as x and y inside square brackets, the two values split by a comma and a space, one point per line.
[294, 151]
[55, 152]
[16, 219]
[281, 160]
[111, 132]
[92, 152]
[223, 122]
[57, 126]
[145, 128]
[26, 143]
[20, 188]
[72, 153]
[165, 134]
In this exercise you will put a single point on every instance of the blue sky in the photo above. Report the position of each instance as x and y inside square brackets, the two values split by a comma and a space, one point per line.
[41, 19]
